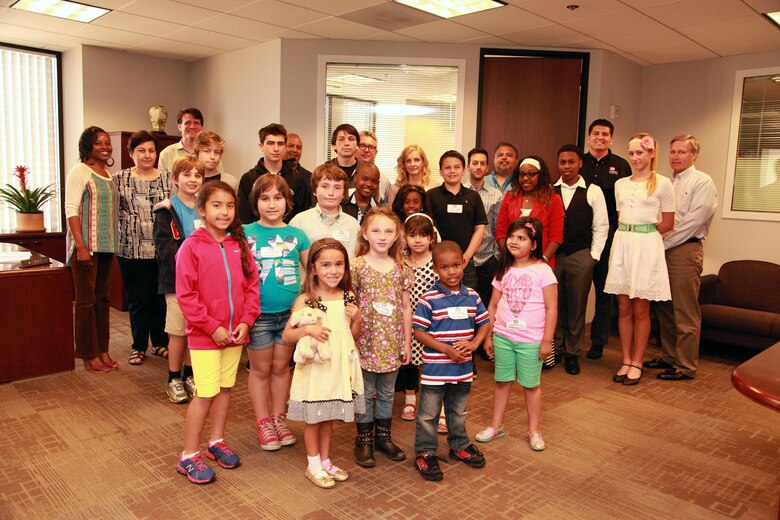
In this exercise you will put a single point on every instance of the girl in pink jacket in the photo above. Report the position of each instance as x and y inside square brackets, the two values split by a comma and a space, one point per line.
[218, 291]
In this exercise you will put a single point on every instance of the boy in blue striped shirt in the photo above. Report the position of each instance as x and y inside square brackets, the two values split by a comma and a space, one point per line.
[444, 322]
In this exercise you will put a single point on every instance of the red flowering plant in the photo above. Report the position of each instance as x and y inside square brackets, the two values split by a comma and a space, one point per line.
[26, 200]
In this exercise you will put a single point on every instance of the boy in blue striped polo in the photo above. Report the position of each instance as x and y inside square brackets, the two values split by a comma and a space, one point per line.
[444, 322]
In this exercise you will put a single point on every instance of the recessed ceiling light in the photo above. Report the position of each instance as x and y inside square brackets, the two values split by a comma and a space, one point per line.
[452, 8]
[774, 17]
[62, 9]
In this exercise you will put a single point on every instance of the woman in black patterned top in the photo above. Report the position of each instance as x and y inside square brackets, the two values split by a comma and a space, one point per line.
[140, 188]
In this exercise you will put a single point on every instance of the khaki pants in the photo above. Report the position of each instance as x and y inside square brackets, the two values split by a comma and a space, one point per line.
[679, 320]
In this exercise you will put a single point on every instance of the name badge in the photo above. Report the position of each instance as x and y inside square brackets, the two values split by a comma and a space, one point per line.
[613, 170]
[457, 313]
[383, 308]
[341, 235]
[197, 223]
[454, 208]
[516, 324]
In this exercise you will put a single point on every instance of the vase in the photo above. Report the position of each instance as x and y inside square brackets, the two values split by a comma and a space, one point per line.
[29, 222]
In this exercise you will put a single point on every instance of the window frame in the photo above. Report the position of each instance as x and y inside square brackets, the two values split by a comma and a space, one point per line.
[731, 162]
[324, 59]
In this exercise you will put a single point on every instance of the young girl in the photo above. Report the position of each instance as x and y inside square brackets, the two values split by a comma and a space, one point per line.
[410, 200]
[278, 250]
[216, 285]
[420, 238]
[523, 311]
[329, 390]
[637, 263]
[382, 286]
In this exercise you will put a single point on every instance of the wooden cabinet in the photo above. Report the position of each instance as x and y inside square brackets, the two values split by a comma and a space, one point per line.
[37, 310]
[47, 244]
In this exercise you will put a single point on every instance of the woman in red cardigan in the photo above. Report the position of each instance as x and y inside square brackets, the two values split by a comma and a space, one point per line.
[532, 195]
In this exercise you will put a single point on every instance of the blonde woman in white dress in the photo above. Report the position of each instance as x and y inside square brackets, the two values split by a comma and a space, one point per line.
[637, 264]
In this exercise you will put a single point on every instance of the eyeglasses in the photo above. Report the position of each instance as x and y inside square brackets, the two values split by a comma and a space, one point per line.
[368, 147]
[527, 174]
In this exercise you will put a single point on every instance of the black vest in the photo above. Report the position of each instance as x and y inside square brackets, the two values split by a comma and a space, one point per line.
[578, 223]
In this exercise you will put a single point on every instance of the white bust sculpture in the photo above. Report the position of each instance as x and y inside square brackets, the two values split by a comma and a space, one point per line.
[158, 115]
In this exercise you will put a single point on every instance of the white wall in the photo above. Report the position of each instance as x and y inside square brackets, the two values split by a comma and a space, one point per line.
[119, 88]
[696, 97]
[239, 93]
[72, 105]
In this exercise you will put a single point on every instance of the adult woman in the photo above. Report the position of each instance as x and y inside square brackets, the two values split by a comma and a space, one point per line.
[532, 195]
[412, 168]
[140, 188]
[91, 204]
[637, 264]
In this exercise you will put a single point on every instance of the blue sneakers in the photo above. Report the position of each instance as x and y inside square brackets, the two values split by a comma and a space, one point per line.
[196, 470]
[224, 456]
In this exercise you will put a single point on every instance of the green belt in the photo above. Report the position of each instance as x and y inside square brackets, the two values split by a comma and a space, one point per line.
[636, 228]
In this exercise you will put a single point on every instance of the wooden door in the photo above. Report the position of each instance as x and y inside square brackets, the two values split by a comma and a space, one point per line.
[535, 101]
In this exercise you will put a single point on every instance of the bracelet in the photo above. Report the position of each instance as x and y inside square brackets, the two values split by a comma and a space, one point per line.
[546, 260]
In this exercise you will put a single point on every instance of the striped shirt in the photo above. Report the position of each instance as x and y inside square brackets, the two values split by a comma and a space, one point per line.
[449, 317]
[94, 200]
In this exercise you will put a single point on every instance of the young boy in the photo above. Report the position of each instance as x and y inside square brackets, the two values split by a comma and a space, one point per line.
[208, 149]
[458, 212]
[444, 322]
[363, 195]
[174, 220]
[326, 219]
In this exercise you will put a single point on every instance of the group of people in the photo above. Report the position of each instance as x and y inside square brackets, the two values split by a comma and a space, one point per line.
[369, 286]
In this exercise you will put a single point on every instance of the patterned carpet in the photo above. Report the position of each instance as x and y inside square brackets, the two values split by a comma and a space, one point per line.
[78, 445]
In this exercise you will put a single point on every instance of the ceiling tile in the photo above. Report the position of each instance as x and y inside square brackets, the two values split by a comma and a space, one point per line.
[298, 35]
[106, 4]
[278, 13]
[662, 38]
[338, 28]
[487, 40]
[657, 56]
[390, 37]
[222, 6]
[106, 34]
[743, 27]
[502, 20]
[38, 21]
[176, 49]
[697, 11]
[441, 31]
[168, 10]
[764, 6]
[135, 23]
[627, 22]
[745, 45]
[334, 7]
[205, 38]
[557, 10]
[390, 16]
[552, 35]
[12, 33]
[237, 26]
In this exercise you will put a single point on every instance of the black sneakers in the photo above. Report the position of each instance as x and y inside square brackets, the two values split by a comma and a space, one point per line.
[469, 455]
[428, 466]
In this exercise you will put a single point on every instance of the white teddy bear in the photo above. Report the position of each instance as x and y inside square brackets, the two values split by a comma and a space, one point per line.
[308, 348]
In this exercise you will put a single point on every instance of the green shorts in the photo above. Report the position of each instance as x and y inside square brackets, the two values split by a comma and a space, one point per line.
[516, 361]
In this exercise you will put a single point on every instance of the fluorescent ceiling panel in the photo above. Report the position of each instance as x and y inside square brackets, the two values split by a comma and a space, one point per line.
[62, 9]
[452, 8]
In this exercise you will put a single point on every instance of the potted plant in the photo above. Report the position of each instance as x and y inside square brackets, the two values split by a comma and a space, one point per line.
[27, 202]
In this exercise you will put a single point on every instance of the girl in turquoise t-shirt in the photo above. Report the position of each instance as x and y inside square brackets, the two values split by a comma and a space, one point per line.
[279, 249]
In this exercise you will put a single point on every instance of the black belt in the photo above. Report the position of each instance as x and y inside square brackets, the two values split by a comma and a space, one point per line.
[693, 240]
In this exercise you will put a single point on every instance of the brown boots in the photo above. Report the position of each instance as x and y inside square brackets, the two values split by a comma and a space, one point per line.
[364, 445]
[384, 443]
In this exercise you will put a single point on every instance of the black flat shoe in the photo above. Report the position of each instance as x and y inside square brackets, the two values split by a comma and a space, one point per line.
[619, 378]
[673, 375]
[628, 381]
[656, 363]
[595, 352]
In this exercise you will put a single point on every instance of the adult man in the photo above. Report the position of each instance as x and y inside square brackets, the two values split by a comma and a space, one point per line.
[273, 139]
[294, 151]
[189, 121]
[679, 319]
[485, 258]
[367, 150]
[603, 168]
[585, 231]
[505, 161]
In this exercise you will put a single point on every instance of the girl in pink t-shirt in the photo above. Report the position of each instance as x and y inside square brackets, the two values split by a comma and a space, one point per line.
[523, 312]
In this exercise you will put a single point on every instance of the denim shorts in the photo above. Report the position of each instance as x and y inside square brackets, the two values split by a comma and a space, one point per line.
[267, 330]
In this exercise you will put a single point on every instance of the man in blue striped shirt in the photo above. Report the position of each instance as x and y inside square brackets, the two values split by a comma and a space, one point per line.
[444, 322]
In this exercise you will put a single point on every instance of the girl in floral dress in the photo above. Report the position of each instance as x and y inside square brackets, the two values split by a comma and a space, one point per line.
[382, 285]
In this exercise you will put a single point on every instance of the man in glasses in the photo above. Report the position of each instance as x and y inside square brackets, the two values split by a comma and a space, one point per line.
[367, 150]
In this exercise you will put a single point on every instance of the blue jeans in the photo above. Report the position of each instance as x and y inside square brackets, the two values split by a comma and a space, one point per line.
[455, 398]
[381, 386]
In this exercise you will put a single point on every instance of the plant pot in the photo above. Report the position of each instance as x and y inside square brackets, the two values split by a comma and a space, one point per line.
[29, 222]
